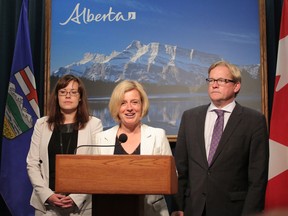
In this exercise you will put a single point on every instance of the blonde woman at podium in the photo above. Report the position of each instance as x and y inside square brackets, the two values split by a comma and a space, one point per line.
[128, 105]
[67, 125]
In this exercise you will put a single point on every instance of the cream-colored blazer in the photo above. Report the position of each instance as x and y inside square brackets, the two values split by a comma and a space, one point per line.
[153, 142]
[38, 162]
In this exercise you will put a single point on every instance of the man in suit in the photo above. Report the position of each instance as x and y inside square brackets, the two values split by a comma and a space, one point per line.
[232, 181]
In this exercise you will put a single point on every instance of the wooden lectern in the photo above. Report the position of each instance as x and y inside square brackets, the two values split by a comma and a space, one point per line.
[118, 182]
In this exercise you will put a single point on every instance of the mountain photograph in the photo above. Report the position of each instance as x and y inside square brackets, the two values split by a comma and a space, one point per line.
[165, 45]
[170, 75]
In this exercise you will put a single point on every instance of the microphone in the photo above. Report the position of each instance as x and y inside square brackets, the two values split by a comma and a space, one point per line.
[122, 139]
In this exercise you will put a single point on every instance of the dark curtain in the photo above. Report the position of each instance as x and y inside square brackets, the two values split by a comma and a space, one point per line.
[273, 19]
[9, 15]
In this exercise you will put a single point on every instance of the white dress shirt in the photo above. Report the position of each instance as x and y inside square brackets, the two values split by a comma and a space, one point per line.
[210, 120]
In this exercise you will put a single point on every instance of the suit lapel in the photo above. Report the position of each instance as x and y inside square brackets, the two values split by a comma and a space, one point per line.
[200, 118]
[109, 139]
[147, 144]
[83, 137]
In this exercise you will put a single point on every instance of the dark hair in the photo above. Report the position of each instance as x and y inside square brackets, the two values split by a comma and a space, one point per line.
[55, 117]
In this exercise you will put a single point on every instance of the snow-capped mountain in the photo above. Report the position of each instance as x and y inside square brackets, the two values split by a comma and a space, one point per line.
[152, 63]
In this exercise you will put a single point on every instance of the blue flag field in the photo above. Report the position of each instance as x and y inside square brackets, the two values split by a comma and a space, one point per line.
[21, 112]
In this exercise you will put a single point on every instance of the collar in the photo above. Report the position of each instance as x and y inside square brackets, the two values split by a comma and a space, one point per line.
[228, 108]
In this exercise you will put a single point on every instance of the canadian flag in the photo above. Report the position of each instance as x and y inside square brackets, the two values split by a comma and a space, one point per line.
[277, 189]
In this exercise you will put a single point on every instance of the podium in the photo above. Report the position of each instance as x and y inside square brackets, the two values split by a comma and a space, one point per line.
[118, 183]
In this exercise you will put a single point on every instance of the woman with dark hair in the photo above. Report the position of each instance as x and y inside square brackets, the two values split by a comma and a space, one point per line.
[67, 125]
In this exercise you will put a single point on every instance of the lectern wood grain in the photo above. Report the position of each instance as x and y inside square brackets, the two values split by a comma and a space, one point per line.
[115, 174]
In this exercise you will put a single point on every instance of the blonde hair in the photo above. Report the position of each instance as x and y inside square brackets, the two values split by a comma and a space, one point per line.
[118, 95]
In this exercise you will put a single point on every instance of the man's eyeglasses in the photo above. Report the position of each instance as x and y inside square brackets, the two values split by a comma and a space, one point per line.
[72, 93]
[220, 81]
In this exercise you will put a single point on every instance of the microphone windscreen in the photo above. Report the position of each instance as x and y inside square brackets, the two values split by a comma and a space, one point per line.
[122, 138]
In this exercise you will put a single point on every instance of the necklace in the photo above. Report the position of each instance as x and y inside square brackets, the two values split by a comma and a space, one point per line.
[66, 130]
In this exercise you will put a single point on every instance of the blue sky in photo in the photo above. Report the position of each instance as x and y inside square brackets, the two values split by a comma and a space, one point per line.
[224, 27]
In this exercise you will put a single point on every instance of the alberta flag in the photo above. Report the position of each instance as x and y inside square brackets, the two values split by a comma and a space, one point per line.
[21, 113]
[277, 190]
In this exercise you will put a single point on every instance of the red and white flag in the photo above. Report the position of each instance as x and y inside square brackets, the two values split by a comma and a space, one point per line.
[277, 190]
